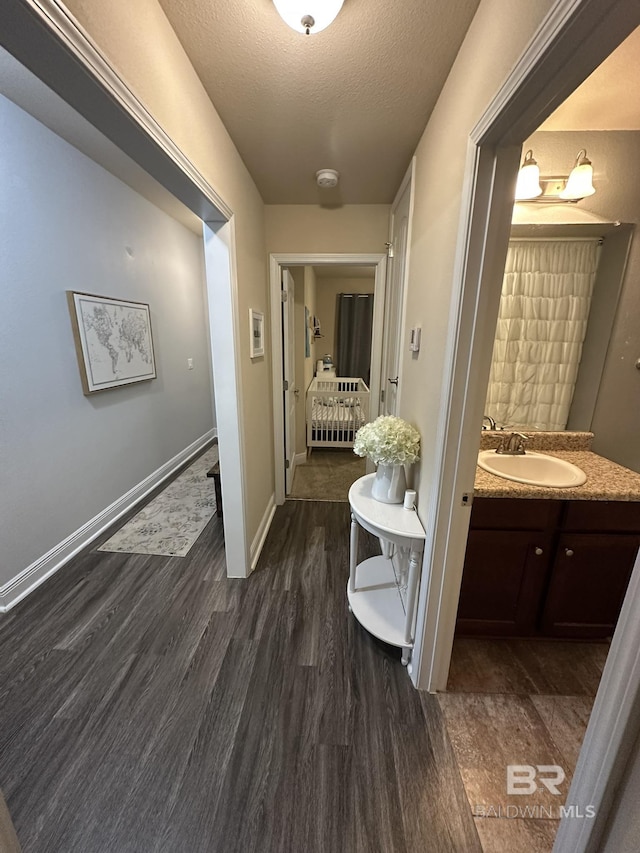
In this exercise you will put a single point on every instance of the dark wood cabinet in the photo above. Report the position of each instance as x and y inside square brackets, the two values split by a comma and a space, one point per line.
[547, 568]
[587, 583]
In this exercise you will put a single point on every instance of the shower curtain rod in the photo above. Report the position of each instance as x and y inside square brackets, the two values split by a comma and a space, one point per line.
[599, 240]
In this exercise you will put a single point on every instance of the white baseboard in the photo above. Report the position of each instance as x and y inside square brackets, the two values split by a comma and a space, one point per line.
[35, 574]
[300, 458]
[261, 535]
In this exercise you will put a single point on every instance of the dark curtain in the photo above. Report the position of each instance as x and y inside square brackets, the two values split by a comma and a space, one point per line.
[353, 338]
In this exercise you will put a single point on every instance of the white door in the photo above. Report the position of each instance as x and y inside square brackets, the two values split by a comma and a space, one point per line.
[394, 299]
[289, 376]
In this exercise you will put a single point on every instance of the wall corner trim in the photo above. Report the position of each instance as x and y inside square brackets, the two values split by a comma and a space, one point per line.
[263, 529]
[57, 19]
[30, 578]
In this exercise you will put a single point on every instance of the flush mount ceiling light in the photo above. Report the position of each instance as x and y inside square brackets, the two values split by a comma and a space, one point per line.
[558, 188]
[308, 16]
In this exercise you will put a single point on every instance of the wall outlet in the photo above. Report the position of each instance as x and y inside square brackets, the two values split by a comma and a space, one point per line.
[190, 364]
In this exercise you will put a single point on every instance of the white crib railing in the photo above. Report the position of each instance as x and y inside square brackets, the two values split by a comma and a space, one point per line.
[336, 409]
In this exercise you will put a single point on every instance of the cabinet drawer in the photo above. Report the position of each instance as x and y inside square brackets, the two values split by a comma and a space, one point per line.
[602, 516]
[514, 514]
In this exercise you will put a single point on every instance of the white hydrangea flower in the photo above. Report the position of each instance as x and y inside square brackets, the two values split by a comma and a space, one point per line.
[388, 441]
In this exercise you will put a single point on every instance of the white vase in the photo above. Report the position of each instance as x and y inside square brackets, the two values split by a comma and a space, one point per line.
[389, 484]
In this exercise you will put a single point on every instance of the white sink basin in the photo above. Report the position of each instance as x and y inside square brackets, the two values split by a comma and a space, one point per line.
[537, 469]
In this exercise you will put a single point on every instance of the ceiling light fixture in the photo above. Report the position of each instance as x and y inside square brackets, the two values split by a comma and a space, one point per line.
[553, 189]
[580, 182]
[528, 185]
[308, 16]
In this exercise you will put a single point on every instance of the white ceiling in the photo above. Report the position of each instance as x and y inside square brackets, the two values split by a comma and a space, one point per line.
[607, 100]
[355, 97]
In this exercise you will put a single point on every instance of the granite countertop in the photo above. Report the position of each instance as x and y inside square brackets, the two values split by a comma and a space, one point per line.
[606, 480]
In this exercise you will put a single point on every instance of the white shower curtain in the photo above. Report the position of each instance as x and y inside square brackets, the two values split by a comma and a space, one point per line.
[544, 309]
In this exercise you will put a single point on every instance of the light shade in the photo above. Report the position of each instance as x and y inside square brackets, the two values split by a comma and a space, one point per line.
[321, 12]
[528, 185]
[580, 182]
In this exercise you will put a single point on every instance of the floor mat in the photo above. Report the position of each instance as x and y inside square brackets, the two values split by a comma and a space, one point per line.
[171, 522]
[327, 476]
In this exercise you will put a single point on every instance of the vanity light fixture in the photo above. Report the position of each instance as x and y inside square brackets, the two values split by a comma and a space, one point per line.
[580, 182]
[528, 186]
[308, 16]
[553, 189]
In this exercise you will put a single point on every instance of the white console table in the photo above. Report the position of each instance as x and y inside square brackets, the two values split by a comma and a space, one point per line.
[382, 591]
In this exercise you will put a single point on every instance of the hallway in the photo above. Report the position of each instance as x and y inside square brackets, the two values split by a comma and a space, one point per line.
[151, 704]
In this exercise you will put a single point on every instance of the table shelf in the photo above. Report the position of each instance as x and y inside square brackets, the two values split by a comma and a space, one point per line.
[377, 605]
[374, 595]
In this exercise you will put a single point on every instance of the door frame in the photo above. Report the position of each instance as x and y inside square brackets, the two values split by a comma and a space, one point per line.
[47, 39]
[290, 259]
[573, 39]
[287, 307]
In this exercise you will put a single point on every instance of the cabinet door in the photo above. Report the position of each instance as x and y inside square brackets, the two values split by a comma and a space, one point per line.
[504, 577]
[588, 584]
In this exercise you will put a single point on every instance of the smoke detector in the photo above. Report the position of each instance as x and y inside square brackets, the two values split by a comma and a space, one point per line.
[327, 178]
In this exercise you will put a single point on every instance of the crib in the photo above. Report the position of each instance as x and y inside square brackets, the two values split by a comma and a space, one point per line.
[336, 409]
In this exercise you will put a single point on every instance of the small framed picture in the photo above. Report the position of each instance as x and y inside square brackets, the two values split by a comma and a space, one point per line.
[256, 332]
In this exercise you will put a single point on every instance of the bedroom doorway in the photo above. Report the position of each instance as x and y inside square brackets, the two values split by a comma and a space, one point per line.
[330, 325]
[327, 325]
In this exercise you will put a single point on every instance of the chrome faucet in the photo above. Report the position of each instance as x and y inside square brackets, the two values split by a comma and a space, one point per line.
[492, 423]
[513, 444]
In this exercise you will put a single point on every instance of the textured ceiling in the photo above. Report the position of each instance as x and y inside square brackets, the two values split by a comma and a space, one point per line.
[609, 99]
[355, 97]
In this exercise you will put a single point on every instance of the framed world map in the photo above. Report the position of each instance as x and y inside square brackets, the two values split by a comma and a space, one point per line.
[113, 341]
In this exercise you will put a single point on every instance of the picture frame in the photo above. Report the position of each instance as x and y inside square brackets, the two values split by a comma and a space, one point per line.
[113, 341]
[256, 333]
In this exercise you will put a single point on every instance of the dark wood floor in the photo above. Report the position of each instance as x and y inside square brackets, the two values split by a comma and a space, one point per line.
[151, 704]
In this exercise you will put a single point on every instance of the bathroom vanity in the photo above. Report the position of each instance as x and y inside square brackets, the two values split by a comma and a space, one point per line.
[550, 562]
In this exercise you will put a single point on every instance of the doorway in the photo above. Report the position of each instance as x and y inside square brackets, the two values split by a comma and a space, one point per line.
[327, 324]
[324, 421]
[493, 159]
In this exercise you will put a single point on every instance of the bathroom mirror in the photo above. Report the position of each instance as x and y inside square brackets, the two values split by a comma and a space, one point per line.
[557, 309]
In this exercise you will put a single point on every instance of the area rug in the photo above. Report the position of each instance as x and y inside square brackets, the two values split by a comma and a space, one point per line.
[170, 523]
[327, 476]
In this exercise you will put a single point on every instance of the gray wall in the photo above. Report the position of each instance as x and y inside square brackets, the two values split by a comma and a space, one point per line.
[67, 224]
[616, 421]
